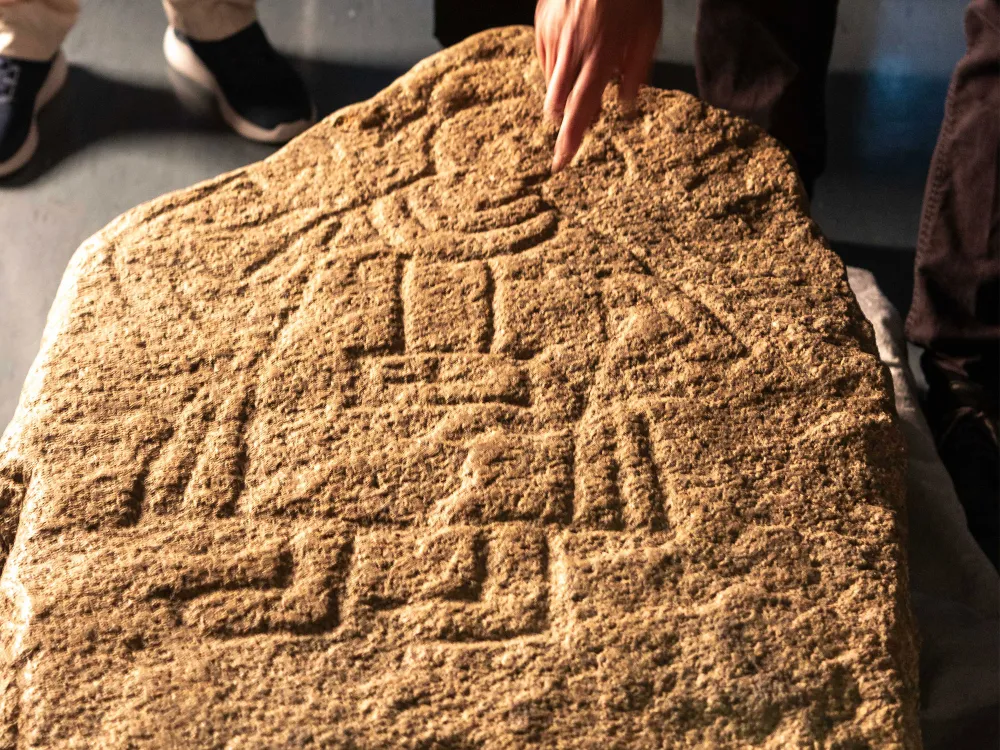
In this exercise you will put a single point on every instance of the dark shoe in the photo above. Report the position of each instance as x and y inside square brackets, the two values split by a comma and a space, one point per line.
[25, 87]
[963, 417]
[259, 93]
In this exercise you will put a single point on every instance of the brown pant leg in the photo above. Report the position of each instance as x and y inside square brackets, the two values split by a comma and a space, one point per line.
[767, 61]
[955, 298]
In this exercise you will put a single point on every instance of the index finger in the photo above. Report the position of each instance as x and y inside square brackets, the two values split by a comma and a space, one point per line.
[565, 71]
[582, 106]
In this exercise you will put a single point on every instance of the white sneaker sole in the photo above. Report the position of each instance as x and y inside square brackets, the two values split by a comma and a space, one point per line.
[54, 81]
[182, 59]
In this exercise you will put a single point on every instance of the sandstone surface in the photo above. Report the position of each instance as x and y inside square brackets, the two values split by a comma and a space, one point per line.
[395, 439]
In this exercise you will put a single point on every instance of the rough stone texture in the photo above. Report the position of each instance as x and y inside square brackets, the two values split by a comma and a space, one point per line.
[396, 439]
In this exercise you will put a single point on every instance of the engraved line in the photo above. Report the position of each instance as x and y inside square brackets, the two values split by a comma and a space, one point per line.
[282, 248]
[241, 461]
[646, 450]
[18, 477]
[490, 294]
[135, 499]
[402, 280]
[405, 285]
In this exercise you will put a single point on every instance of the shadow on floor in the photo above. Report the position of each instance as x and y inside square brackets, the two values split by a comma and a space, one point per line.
[892, 268]
[94, 107]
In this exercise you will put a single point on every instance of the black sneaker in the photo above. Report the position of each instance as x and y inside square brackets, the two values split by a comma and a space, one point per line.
[25, 87]
[962, 414]
[259, 93]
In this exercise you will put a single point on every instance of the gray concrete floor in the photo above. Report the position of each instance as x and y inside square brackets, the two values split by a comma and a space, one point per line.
[116, 136]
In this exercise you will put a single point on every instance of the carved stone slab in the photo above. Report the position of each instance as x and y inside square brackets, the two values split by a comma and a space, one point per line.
[396, 439]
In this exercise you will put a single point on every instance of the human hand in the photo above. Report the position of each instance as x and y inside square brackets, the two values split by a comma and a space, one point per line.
[584, 44]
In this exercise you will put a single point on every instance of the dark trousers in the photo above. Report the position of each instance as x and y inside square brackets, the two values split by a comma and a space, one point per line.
[767, 60]
[956, 295]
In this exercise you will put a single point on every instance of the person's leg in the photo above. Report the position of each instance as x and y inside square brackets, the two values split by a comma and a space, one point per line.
[767, 61]
[210, 20]
[955, 314]
[454, 20]
[32, 70]
[35, 29]
[219, 46]
[957, 276]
